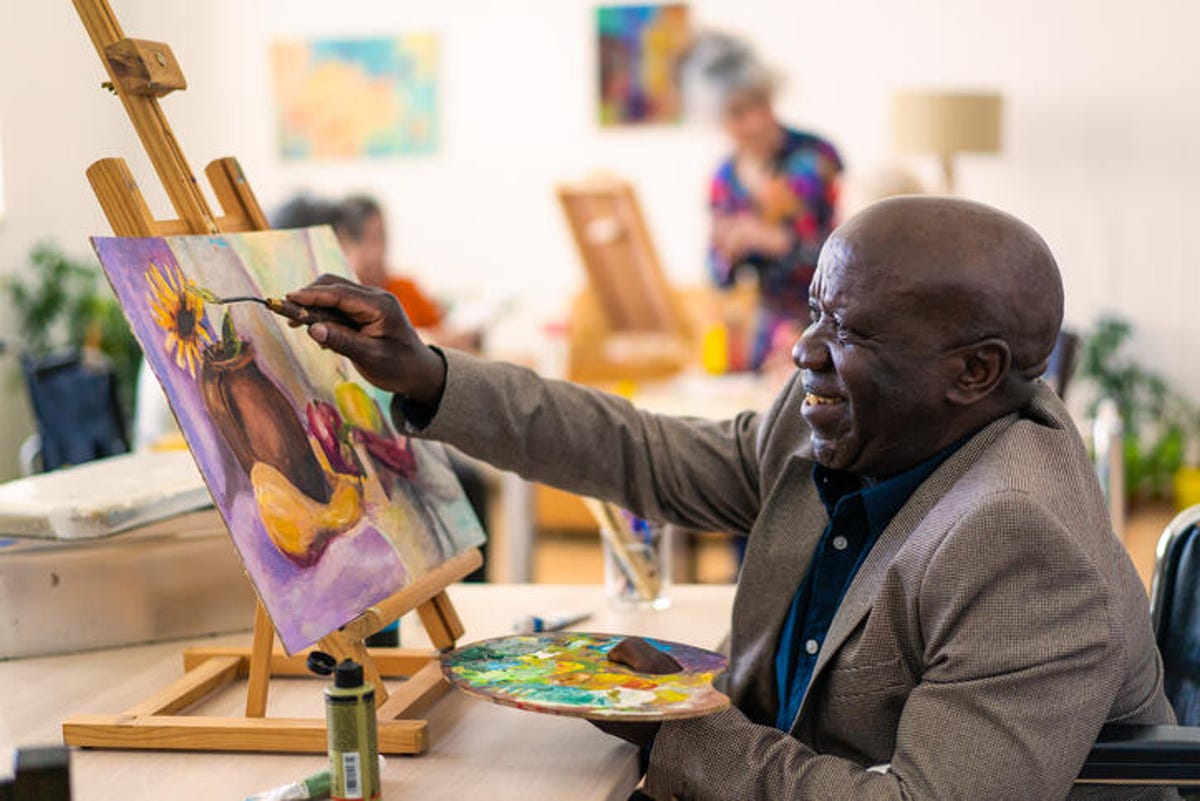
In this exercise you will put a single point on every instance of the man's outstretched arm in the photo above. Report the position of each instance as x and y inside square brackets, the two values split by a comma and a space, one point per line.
[696, 473]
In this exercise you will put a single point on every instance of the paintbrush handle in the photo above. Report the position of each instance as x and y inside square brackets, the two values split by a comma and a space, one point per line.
[640, 574]
[308, 315]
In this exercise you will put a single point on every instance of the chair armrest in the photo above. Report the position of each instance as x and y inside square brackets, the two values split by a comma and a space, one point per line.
[1144, 755]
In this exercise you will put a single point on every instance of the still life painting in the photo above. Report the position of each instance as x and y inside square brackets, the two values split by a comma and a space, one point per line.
[639, 49]
[569, 673]
[355, 98]
[330, 508]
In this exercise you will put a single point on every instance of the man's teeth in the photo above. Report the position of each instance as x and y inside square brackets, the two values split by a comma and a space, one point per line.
[818, 400]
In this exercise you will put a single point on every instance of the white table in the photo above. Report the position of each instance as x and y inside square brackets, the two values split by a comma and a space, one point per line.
[477, 750]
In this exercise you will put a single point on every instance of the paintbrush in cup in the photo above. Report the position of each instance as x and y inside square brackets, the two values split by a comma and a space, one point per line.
[304, 315]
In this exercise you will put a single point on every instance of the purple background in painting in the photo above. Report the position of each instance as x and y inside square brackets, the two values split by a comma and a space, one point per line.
[358, 569]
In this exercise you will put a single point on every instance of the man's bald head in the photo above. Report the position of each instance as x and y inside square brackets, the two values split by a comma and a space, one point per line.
[972, 270]
[931, 317]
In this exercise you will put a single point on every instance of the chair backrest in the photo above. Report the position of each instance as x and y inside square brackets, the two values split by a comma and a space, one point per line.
[1175, 605]
[75, 403]
[1060, 367]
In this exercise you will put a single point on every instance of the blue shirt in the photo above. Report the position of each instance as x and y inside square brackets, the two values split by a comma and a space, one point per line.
[858, 513]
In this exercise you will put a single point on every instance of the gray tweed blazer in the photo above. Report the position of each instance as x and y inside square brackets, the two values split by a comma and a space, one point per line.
[995, 626]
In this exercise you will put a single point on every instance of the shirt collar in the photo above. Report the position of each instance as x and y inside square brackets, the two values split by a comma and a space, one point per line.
[880, 499]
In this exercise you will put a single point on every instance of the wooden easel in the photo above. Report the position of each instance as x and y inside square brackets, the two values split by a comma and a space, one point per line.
[140, 72]
[629, 323]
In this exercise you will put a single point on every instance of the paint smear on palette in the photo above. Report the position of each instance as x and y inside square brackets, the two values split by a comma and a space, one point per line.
[568, 673]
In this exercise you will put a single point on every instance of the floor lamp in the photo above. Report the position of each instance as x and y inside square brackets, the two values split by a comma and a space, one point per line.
[945, 124]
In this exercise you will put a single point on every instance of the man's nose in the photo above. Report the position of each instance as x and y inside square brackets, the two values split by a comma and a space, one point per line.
[811, 351]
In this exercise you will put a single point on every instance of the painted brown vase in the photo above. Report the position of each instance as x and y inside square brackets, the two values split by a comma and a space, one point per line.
[257, 421]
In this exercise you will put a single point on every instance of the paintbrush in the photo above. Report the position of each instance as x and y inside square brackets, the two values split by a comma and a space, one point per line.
[305, 315]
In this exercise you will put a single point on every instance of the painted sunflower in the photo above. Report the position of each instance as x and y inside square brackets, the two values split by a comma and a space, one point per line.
[180, 313]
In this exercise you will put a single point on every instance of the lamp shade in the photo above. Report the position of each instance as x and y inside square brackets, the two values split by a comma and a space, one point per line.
[946, 122]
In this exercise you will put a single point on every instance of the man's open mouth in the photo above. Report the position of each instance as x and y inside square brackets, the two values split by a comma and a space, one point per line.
[817, 399]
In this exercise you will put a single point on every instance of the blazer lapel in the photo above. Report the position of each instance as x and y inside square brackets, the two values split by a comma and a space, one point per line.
[778, 554]
[863, 589]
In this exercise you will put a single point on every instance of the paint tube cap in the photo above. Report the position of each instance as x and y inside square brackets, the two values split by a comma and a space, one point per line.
[349, 674]
[321, 663]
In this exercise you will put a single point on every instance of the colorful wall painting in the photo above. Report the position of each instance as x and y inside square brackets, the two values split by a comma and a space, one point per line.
[639, 48]
[354, 98]
[568, 673]
[330, 508]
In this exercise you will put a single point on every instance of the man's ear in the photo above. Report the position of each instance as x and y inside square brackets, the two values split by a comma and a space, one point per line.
[979, 369]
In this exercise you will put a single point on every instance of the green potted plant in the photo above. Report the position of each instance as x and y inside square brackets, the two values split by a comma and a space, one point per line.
[1187, 478]
[1158, 421]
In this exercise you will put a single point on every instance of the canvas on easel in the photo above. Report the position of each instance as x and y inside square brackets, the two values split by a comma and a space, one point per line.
[330, 508]
[141, 72]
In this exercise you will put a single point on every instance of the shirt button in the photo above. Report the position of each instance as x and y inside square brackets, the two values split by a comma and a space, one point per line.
[840, 543]
[812, 646]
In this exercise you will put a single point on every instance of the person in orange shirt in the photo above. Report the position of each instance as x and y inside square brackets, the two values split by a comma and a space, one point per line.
[359, 225]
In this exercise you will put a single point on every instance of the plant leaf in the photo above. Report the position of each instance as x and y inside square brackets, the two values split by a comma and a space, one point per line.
[206, 295]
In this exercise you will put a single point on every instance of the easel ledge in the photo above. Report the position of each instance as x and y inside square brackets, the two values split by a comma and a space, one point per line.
[140, 72]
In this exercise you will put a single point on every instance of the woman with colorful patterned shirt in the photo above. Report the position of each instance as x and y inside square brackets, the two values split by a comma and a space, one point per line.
[773, 201]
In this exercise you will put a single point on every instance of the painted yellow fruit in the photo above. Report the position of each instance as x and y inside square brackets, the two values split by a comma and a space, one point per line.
[300, 527]
[357, 407]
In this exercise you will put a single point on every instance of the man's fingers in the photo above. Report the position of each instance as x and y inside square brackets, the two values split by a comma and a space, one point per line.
[326, 279]
[323, 291]
[360, 304]
[339, 339]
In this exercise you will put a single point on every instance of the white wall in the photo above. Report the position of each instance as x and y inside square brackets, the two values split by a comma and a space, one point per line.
[55, 120]
[1102, 126]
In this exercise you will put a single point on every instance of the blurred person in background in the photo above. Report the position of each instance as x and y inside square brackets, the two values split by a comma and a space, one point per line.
[773, 200]
[361, 231]
[359, 225]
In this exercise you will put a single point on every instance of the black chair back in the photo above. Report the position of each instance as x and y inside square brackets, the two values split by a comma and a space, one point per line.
[75, 403]
[1176, 607]
[1060, 367]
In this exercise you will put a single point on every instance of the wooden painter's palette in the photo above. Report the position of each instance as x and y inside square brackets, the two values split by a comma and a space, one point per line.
[569, 673]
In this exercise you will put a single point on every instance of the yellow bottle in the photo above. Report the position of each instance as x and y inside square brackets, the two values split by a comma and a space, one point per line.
[714, 349]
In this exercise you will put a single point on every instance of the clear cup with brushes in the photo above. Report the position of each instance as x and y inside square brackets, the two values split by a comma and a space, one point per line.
[637, 557]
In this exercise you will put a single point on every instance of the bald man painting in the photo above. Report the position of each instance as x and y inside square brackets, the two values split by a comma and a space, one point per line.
[933, 604]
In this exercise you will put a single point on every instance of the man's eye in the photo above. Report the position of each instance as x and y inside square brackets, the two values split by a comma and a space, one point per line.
[814, 314]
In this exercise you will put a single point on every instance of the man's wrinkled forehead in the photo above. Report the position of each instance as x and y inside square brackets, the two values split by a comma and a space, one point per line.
[831, 265]
[870, 282]
[845, 275]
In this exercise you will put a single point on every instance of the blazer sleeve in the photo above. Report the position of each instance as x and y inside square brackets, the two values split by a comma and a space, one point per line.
[690, 472]
[1021, 669]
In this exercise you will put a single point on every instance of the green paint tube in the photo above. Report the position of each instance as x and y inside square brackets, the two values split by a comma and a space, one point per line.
[314, 786]
[310, 788]
[350, 720]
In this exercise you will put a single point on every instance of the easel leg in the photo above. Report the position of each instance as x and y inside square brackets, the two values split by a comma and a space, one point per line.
[441, 621]
[420, 689]
[260, 663]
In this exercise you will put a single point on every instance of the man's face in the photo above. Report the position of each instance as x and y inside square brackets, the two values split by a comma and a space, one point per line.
[873, 367]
